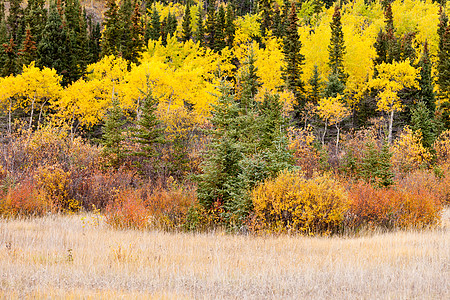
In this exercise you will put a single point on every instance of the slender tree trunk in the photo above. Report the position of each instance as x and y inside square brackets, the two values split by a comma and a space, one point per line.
[324, 132]
[32, 110]
[40, 113]
[391, 121]
[337, 138]
[9, 116]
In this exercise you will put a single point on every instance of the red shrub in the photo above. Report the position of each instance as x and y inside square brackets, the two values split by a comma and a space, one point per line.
[24, 200]
[127, 211]
[392, 207]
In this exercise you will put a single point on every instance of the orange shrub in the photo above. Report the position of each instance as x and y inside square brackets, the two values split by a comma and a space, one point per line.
[392, 207]
[127, 211]
[52, 182]
[168, 207]
[290, 202]
[24, 200]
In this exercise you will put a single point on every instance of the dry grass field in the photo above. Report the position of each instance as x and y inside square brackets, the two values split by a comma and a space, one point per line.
[79, 257]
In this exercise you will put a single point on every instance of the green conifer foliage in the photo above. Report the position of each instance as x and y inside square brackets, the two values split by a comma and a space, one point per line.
[148, 134]
[15, 19]
[112, 140]
[155, 28]
[230, 28]
[265, 6]
[200, 32]
[52, 49]
[94, 43]
[220, 34]
[294, 60]
[315, 93]
[443, 67]
[36, 18]
[186, 33]
[28, 52]
[136, 44]
[336, 48]
[421, 119]
[277, 24]
[10, 66]
[210, 24]
[112, 34]
[426, 92]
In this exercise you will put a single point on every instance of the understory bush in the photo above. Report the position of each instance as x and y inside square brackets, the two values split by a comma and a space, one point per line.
[392, 207]
[292, 203]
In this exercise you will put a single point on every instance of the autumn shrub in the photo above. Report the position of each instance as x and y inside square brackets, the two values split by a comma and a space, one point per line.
[24, 199]
[52, 183]
[409, 154]
[168, 207]
[442, 148]
[93, 187]
[391, 207]
[307, 157]
[290, 202]
[127, 211]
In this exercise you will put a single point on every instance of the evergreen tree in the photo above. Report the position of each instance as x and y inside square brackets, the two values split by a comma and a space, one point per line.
[52, 49]
[210, 24]
[422, 120]
[94, 43]
[77, 40]
[248, 145]
[426, 91]
[112, 140]
[155, 28]
[28, 52]
[10, 66]
[230, 28]
[112, 34]
[125, 15]
[36, 18]
[443, 67]
[15, 19]
[186, 25]
[277, 24]
[294, 60]
[336, 48]
[148, 133]
[315, 93]
[219, 40]
[200, 33]
[3, 41]
[136, 44]
[265, 7]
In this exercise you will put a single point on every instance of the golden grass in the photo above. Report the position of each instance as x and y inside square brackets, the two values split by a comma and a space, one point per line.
[79, 257]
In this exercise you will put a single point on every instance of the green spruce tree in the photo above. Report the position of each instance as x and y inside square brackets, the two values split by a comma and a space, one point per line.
[200, 32]
[294, 61]
[112, 33]
[112, 139]
[186, 33]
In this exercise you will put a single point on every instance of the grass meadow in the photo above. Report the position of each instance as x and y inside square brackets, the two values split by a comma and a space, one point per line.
[78, 256]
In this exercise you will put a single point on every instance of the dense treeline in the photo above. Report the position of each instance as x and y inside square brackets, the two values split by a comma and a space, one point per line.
[235, 98]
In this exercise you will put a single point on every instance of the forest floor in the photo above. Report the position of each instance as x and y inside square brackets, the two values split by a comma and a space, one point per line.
[78, 256]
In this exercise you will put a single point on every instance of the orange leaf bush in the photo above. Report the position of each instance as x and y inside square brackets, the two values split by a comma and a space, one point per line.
[391, 207]
[290, 202]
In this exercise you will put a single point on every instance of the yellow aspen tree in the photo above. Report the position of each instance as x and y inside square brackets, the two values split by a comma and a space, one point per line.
[390, 80]
[332, 111]
[8, 89]
[38, 87]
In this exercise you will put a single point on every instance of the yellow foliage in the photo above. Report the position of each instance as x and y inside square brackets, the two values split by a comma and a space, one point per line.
[390, 80]
[442, 147]
[408, 152]
[332, 109]
[291, 202]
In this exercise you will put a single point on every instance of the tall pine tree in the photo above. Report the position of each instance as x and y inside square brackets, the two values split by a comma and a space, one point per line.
[186, 33]
[294, 61]
[113, 33]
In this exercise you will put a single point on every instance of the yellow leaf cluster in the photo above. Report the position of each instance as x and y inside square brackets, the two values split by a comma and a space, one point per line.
[408, 151]
[390, 80]
[332, 109]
